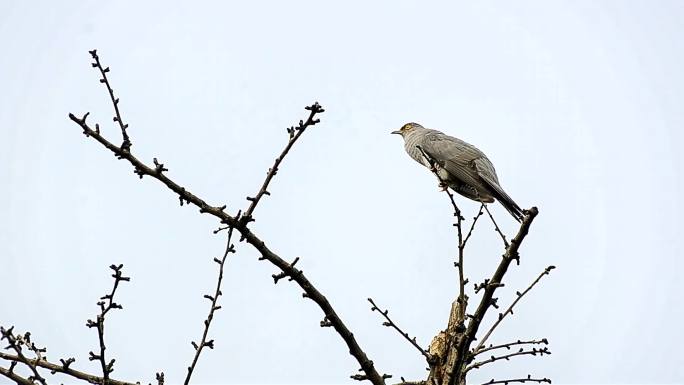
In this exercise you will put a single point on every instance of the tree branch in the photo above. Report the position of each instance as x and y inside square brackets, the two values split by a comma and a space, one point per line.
[496, 227]
[486, 301]
[510, 344]
[230, 248]
[390, 323]
[241, 225]
[521, 352]
[472, 226]
[126, 145]
[19, 380]
[462, 300]
[106, 304]
[521, 380]
[403, 382]
[510, 308]
[295, 133]
[16, 343]
[64, 368]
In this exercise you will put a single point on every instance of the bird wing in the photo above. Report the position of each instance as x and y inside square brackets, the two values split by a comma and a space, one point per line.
[486, 171]
[457, 157]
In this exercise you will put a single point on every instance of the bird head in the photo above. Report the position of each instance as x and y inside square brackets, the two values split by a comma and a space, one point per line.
[407, 129]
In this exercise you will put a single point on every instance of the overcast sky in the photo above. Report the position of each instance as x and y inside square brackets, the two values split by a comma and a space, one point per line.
[577, 103]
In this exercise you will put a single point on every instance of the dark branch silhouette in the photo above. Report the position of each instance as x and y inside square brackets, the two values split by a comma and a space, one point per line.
[509, 345]
[106, 304]
[230, 248]
[510, 308]
[126, 145]
[521, 380]
[295, 133]
[389, 323]
[64, 368]
[240, 224]
[16, 343]
[496, 227]
[472, 226]
[462, 281]
[521, 352]
[9, 373]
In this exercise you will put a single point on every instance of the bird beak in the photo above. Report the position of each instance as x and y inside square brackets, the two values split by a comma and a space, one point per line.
[396, 132]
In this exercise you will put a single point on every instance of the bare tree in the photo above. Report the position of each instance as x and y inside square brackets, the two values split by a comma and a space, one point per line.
[450, 356]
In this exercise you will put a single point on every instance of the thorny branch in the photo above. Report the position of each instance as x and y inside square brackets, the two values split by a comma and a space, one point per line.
[389, 323]
[230, 248]
[185, 196]
[510, 308]
[106, 304]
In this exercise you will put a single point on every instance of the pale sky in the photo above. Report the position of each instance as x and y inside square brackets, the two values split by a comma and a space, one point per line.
[577, 103]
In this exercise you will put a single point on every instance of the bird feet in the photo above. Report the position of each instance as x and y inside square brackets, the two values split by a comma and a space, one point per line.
[442, 186]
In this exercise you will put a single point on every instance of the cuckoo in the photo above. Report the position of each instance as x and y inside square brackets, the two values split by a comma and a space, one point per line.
[459, 165]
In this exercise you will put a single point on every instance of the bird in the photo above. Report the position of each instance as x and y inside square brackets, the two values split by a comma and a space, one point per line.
[458, 164]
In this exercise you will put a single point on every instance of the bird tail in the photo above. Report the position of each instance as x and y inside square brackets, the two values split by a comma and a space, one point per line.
[511, 206]
[485, 170]
[505, 200]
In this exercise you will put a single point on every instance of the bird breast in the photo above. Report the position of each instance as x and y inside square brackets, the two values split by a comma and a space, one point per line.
[411, 143]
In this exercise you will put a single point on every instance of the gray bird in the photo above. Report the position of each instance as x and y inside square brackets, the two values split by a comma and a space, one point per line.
[462, 167]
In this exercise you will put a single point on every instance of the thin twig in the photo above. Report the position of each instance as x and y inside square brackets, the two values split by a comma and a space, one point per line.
[295, 133]
[230, 248]
[219, 212]
[126, 145]
[106, 304]
[390, 323]
[510, 308]
[521, 380]
[521, 352]
[496, 227]
[472, 226]
[363, 377]
[64, 368]
[462, 301]
[510, 345]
